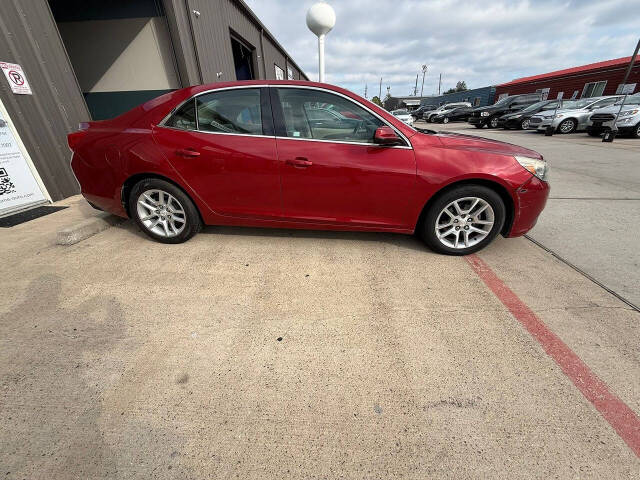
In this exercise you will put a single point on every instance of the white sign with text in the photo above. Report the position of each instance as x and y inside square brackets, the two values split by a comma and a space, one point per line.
[16, 78]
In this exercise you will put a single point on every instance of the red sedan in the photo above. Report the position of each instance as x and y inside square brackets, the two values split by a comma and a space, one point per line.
[303, 155]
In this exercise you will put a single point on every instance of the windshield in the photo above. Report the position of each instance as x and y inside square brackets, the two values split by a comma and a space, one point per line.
[631, 100]
[535, 106]
[400, 112]
[504, 101]
[579, 103]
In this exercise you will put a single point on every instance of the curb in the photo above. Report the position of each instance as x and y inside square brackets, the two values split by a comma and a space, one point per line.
[87, 228]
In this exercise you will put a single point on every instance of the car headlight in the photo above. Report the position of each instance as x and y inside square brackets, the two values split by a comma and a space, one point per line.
[628, 113]
[547, 117]
[537, 167]
[484, 114]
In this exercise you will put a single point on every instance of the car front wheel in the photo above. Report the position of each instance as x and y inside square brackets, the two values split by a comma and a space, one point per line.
[163, 211]
[635, 133]
[524, 124]
[463, 220]
[567, 126]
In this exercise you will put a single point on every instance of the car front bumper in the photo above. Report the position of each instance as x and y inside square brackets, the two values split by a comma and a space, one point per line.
[478, 120]
[530, 199]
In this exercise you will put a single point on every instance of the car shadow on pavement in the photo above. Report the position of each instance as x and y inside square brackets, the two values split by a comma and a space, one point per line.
[411, 242]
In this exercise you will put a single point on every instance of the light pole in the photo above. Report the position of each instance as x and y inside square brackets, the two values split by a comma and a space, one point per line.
[424, 72]
[321, 19]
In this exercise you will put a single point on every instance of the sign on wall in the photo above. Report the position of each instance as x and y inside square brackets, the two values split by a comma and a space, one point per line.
[16, 78]
[18, 187]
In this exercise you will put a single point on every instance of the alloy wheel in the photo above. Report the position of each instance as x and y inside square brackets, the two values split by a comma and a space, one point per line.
[525, 123]
[567, 126]
[465, 222]
[445, 120]
[161, 213]
[494, 122]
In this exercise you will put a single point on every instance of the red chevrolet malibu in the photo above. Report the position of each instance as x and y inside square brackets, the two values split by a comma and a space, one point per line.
[303, 155]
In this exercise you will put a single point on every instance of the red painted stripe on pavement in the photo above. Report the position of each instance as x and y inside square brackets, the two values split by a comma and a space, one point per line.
[623, 420]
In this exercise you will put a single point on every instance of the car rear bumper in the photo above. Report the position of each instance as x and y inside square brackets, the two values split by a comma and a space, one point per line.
[530, 200]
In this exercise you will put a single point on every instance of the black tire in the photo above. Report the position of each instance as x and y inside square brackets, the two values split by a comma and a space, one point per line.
[493, 122]
[567, 126]
[524, 124]
[635, 133]
[427, 229]
[445, 120]
[595, 132]
[192, 223]
[478, 125]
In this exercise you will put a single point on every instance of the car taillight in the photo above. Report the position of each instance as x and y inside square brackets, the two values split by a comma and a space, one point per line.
[73, 139]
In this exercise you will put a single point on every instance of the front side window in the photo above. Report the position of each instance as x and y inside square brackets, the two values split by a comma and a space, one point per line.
[306, 116]
[230, 111]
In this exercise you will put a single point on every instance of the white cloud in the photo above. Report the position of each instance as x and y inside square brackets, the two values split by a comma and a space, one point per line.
[482, 43]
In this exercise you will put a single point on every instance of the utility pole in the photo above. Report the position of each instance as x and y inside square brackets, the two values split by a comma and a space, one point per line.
[365, 90]
[439, 83]
[609, 136]
[424, 71]
[380, 90]
[415, 89]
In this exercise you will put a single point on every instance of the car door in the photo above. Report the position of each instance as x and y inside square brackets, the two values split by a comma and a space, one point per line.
[339, 176]
[223, 146]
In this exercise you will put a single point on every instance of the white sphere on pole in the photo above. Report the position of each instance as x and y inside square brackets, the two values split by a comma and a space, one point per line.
[321, 18]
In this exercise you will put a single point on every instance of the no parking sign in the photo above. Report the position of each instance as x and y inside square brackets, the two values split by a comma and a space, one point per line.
[16, 78]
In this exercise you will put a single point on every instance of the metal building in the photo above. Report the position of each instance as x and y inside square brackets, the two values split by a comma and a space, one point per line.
[595, 79]
[94, 59]
[478, 97]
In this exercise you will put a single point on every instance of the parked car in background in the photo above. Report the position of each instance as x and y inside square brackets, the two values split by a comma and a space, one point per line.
[455, 114]
[572, 117]
[628, 122]
[245, 154]
[520, 119]
[490, 114]
[443, 108]
[404, 115]
[417, 113]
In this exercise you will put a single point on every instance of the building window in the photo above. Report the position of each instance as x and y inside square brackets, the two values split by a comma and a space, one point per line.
[279, 72]
[242, 59]
[476, 101]
[593, 89]
[290, 74]
[626, 88]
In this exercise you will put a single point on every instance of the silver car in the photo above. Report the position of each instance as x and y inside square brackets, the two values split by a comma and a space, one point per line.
[628, 120]
[572, 117]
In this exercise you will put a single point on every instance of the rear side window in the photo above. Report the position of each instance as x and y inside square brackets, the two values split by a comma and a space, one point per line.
[230, 111]
[184, 118]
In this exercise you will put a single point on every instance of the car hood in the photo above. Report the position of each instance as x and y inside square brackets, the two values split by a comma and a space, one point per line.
[484, 109]
[471, 142]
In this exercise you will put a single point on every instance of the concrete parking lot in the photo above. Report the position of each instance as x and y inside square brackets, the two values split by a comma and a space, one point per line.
[592, 217]
[249, 353]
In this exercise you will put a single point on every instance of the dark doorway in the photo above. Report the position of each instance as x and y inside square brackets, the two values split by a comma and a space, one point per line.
[242, 59]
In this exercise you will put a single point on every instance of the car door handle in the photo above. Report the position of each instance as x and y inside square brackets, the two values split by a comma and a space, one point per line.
[299, 162]
[187, 152]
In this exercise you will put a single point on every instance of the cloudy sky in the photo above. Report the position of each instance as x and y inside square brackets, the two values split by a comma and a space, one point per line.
[480, 42]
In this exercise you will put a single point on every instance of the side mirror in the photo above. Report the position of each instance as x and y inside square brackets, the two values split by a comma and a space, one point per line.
[386, 136]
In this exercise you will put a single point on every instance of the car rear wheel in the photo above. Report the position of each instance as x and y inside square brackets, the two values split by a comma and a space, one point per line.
[163, 211]
[635, 133]
[463, 220]
[493, 122]
[445, 120]
[567, 126]
[524, 124]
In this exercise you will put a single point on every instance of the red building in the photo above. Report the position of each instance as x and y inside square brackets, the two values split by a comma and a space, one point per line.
[595, 79]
